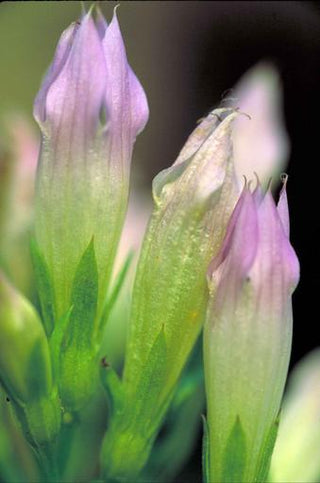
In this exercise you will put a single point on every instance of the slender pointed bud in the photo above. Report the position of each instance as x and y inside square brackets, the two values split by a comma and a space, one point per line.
[261, 144]
[296, 453]
[90, 109]
[185, 229]
[247, 339]
[25, 365]
[193, 200]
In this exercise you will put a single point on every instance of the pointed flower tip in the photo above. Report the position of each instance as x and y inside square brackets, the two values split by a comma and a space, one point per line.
[257, 233]
[114, 24]
[240, 243]
[115, 9]
[206, 126]
[75, 80]
[83, 8]
[282, 206]
[92, 7]
[275, 250]
[101, 22]
[60, 57]
[129, 104]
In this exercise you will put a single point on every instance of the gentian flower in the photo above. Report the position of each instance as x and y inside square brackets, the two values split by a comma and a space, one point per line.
[90, 109]
[247, 339]
[193, 200]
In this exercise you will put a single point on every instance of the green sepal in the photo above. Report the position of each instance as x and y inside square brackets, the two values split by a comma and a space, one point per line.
[152, 384]
[266, 453]
[205, 451]
[44, 287]
[39, 374]
[84, 296]
[179, 431]
[56, 341]
[234, 459]
[78, 352]
[113, 387]
[117, 286]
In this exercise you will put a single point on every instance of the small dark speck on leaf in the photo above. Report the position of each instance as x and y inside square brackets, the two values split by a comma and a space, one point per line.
[104, 362]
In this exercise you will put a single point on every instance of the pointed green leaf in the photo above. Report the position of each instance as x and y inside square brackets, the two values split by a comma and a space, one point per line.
[152, 383]
[205, 451]
[38, 371]
[44, 287]
[84, 297]
[234, 460]
[179, 432]
[113, 387]
[56, 341]
[78, 365]
[266, 453]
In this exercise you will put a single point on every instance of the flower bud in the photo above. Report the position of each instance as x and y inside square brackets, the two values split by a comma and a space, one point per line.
[247, 339]
[296, 453]
[25, 365]
[193, 200]
[90, 109]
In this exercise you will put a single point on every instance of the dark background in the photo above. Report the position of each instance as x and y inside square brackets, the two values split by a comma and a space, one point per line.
[186, 55]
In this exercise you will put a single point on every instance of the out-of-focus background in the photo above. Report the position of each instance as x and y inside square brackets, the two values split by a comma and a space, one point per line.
[186, 55]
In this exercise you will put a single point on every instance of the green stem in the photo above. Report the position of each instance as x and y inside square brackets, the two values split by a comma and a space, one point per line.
[66, 440]
[48, 463]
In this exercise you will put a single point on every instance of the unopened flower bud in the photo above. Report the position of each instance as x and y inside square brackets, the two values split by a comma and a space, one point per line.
[90, 109]
[25, 365]
[193, 200]
[247, 339]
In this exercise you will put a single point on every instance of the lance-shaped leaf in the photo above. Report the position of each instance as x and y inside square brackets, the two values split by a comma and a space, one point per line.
[77, 361]
[248, 331]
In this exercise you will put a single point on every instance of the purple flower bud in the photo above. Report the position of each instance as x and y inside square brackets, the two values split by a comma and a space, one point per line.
[249, 326]
[90, 109]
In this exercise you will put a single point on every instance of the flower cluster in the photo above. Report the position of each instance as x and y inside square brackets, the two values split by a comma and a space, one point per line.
[213, 257]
